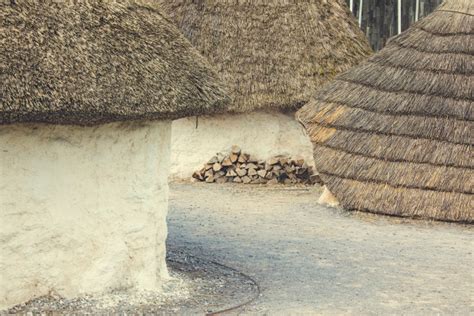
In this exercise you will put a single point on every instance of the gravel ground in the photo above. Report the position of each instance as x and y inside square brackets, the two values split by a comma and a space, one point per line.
[198, 286]
[311, 259]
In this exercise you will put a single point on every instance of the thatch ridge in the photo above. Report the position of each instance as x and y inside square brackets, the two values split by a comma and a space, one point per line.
[410, 174]
[99, 61]
[374, 75]
[458, 6]
[273, 54]
[431, 50]
[384, 199]
[395, 135]
[440, 129]
[390, 156]
[409, 58]
[355, 95]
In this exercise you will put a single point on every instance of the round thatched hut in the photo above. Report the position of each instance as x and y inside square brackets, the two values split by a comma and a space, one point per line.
[87, 96]
[395, 135]
[274, 55]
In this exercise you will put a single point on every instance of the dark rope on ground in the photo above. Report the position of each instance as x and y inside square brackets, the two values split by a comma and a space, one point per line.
[245, 276]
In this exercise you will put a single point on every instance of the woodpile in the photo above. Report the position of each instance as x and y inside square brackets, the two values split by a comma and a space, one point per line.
[239, 167]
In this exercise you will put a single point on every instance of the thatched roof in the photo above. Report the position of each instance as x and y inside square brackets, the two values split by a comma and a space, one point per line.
[99, 61]
[272, 53]
[395, 135]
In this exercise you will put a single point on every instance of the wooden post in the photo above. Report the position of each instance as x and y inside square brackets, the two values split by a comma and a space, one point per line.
[417, 10]
[399, 13]
[361, 6]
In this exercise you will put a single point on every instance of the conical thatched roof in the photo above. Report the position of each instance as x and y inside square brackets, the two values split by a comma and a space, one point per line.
[98, 61]
[395, 135]
[272, 53]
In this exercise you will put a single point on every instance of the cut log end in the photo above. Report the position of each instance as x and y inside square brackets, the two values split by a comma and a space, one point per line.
[240, 167]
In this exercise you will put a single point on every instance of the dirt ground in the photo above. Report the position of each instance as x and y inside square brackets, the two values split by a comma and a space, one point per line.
[316, 260]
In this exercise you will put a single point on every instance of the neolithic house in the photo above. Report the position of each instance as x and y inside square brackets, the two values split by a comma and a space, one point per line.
[88, 92]
[274, 55]
[395, 135]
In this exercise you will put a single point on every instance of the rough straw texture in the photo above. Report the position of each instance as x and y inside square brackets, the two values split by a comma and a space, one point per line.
[99, 61]
[272, 53]
[395, 135]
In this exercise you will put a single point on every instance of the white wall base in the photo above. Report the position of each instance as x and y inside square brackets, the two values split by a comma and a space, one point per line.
[262, 134]
[82, 209]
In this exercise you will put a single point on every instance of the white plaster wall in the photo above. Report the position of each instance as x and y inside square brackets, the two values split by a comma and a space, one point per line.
[82, 209]
[262, 134]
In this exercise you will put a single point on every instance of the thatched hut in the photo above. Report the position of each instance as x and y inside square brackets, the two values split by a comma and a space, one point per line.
[87, 97]
[395, 135]
[274, 55]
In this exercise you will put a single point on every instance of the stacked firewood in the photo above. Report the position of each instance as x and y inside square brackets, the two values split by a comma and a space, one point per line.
[239, 167]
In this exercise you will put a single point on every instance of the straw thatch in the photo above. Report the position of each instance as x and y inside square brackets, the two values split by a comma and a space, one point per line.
[88, 62]
[395, 135]
[272, 53]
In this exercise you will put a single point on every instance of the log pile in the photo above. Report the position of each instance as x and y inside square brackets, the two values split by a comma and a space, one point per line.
[239, 167]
